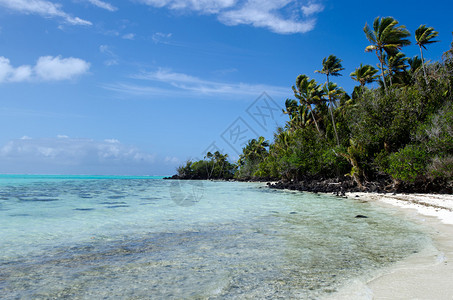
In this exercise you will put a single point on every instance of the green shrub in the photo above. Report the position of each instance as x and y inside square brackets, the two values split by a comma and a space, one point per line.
[408, 164]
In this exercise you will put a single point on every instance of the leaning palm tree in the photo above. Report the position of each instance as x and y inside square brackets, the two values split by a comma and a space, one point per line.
[308, 92]
[255, 149]
[396, 64]
[333, 92]
[415, 64]
[385, 36]
[364, 74]
[291, 107]
[298, 114]
[424, 36]
[331, 66]
[260, 146]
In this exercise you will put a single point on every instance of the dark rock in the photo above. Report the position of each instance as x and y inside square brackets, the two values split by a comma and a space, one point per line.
[361, 217]
[172, 177]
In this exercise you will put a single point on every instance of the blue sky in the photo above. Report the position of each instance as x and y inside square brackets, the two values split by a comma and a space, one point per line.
[137, 87]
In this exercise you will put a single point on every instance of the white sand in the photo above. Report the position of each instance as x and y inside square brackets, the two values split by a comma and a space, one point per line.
[425, 275]
[440, 206]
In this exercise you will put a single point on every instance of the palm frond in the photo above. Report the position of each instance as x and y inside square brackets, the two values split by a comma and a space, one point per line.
[369, 34]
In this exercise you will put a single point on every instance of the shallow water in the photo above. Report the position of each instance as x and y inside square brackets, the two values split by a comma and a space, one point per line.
[85, 237]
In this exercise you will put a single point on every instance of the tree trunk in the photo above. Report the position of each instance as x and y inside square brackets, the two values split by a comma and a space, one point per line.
[423, 64]
[382, 69]
[314, 119]
[331, 112]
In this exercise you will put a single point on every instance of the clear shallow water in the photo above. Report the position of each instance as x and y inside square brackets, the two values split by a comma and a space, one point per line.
[113, 237]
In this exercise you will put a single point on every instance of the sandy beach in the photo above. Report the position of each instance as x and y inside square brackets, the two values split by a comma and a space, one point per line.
[425, 275]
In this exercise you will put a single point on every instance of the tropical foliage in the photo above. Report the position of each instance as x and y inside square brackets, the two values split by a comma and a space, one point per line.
[424, 36]
[399, 131]
[213, 166]
[385, 37]
[364, 74]
[331, 66]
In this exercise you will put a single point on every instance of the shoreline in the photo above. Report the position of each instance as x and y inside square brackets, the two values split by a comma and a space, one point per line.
[339, 185]
[439, 206]
[425, 275]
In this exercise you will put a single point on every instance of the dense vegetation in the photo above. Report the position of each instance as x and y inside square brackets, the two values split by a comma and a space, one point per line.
[400, 133]
[213, 166]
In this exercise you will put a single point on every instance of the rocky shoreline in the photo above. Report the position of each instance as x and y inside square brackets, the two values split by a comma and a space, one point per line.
[343, 184]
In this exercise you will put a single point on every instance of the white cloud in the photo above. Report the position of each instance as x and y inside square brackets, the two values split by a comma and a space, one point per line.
[280, 16]
[172, 84]
[312, 8]
[47, 68]
[9, 73]
[110, 62]
[44, 8]
[104, 49]
[57, 68]
[21, 73]
[129, 36]
[160, 37]
[104, 5]
[139, 90]
[166, 75]
[76, 156]
[203, 6]
[266, 14]
[113, 58]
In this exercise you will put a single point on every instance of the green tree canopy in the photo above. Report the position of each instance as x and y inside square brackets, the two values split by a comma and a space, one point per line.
[385, 36]
[424, 36]
[364, 74]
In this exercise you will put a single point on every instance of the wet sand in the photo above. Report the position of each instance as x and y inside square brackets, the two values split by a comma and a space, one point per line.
[425, 275]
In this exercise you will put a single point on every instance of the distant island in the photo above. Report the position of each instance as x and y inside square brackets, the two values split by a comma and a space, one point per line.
[397, 137]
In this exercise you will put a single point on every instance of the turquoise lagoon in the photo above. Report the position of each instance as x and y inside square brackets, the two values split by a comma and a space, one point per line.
[91, 237]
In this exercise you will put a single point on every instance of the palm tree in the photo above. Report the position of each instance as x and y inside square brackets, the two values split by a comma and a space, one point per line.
[298, 114]
[414, 64]
[424, 36]
[331, 66]
[209, 156]
[396, 64]
[220, 159]
[364, 74]
[255, 150]
[333, 92]
[387, 37]
[308, 92]
[291, 107]
[260, 146]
